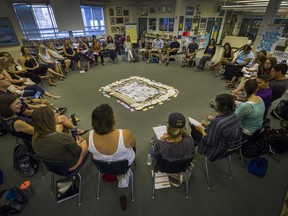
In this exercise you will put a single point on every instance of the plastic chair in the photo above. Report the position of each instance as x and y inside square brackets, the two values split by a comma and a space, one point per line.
[113, 168]
[166, 166]
[62, 169]
[227, 153]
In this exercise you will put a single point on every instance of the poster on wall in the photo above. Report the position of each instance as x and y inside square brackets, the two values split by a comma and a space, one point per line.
[7, 34]
[269, 37]
[132, 31]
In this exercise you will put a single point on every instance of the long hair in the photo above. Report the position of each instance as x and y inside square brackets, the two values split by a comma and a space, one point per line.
[6, 101]
[43, 121]
[5, 62]
[42, 49]
[103, 119]
[176, 132]
[229, 46]
[66, 45]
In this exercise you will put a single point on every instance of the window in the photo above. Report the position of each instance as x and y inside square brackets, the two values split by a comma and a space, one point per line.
[38, 21]
[93, 18]
[166, 24]
[152, 24]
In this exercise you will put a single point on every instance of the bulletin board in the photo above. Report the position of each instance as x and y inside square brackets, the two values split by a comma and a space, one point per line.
[132, 31]
[269, 37]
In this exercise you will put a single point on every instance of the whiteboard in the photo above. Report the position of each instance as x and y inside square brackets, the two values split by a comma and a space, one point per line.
[132, 31]
[68, 15]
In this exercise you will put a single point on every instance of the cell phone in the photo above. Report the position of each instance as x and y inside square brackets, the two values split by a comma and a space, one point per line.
[37, 94]
[74, 133]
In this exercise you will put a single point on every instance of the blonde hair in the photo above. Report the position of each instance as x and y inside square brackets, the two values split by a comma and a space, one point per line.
[4, 62]
[42, 49]
[176, 132]
[43, 121]
[50, 45]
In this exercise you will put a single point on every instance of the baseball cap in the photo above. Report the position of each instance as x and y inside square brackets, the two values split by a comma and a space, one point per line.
[176, 120]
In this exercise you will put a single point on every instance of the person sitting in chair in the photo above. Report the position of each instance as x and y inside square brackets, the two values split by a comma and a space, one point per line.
[107, 143]
[223, 132]
[157, 46]
[49, 144]
[142, 48]
[173, 49]
[176, 144]
[190, 53]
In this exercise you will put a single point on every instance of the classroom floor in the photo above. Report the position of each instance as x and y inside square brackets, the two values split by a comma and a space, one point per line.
[245, 194]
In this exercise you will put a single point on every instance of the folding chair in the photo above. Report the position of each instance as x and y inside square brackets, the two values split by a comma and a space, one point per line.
[113, 168]
[227, 153]
[62, 169]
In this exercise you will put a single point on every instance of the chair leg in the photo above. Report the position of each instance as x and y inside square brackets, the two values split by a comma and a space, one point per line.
[52, 182]
[98, 186]
[153, 185]
[132, 186]
[207, 173]
[80, 189]
[187, 185]
[241, 157]
[230, 166]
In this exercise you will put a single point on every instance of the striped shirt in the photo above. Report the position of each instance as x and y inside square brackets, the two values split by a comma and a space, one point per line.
[223, 132]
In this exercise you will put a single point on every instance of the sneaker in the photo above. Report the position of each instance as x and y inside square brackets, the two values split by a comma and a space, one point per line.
[190, 64]
[61, 110]
[56, 97]
[103, 63]
[167, 63]
[160, 62]
[148, 61]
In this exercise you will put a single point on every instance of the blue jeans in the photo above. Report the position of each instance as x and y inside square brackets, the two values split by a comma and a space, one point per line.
[30, 91]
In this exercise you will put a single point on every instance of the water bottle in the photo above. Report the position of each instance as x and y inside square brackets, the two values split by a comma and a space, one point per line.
[149, 159]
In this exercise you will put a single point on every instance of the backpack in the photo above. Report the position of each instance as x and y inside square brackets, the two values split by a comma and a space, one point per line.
[258, 166]
[25, 161]
[155, 59]
[12, 201]
[281, 111]
[279, 142]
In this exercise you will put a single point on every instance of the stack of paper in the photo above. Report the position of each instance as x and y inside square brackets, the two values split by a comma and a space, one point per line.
[161, 180]
[194, 122]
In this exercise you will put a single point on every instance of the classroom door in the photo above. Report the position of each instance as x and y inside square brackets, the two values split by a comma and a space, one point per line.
[209, 26]
[142, 27]
[217, 25]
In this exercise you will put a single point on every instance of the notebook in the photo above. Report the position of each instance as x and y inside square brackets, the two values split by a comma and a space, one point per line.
[194, 122]
[159, 131]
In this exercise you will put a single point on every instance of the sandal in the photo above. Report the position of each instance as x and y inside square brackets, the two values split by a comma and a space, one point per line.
[230, 86]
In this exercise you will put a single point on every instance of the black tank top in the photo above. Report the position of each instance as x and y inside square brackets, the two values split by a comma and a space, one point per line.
[227, 54]
[30, 63]
[69, 51]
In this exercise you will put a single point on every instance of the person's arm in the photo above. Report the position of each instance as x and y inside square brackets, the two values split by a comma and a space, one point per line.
[78, 48]
[11, 80]
[211, 137]
[12, 70]
[55, 56]
[162, 44]
[22, 63]
[46, 61]
[232, 56]
[65, 53]
[21, 126]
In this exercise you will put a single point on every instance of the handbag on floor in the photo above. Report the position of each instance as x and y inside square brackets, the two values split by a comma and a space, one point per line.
[258, 166]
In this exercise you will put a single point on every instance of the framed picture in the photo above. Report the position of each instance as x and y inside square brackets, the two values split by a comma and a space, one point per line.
[152, 10]
[159, 9]
[202, 26]
[122, 29]
[163, 8]
[119, 20]
[7, 34]
[169, 8]
[112, 21]
[114, 29]
[144, 10]
[190, 11]
[126, 20]
[111, 11]
[125, 12]
[118, 11]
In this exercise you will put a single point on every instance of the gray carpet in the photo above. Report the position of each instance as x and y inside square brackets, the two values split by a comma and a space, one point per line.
[245, 194]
